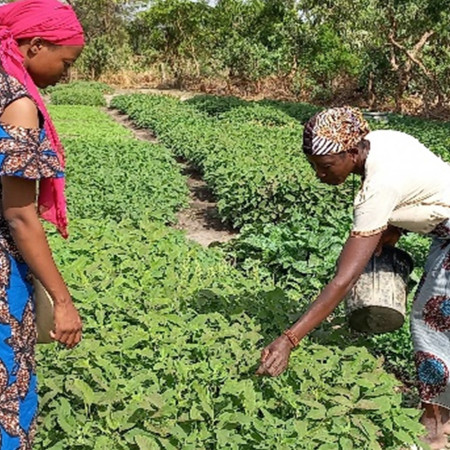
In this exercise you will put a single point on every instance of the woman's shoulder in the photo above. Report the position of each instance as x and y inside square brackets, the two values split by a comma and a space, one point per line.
[10, 90]
[387, 136]
[395, 143]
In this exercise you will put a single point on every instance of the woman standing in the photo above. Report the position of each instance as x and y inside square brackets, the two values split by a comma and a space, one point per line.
[39, 40]
[405, 187]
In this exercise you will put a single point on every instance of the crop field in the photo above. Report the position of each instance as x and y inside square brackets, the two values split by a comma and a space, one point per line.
[173, 331]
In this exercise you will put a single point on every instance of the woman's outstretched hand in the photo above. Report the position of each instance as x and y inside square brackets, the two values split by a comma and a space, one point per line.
[68, 324]
[390, 236]
[275, 357]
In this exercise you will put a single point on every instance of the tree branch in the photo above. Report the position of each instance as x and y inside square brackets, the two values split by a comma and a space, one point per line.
[412, 55]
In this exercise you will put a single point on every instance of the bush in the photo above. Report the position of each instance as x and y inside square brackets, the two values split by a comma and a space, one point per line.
[78, 96]
[81, 84]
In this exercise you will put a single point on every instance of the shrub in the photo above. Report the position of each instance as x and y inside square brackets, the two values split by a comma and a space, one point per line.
[78, 96]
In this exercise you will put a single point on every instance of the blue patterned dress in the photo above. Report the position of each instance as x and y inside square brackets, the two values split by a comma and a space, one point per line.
[24, 153]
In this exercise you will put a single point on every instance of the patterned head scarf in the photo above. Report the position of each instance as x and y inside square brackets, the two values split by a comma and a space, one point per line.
[333, 131]
[56, 23]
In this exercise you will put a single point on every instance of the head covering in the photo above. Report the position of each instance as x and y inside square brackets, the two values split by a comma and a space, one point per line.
[56, 23]
[333, 131]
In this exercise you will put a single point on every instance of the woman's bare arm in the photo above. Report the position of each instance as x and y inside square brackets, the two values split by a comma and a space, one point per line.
[352, 261]
[19, 210]
[354, 258]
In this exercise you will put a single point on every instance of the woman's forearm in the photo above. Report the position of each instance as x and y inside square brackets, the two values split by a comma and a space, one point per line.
[321, 308]
[354, 257]
[31, 241]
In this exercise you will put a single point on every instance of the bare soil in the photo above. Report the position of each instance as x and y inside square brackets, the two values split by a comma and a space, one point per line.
[200, 220]
[139, 133]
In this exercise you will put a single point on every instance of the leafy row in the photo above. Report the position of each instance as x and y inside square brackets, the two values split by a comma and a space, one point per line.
[111, 175]
[300, 251]
[171, 340]
[172, 335]
[251, 158]
[88, 93]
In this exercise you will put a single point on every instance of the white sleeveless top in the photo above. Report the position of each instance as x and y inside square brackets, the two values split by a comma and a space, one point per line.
[405, 185]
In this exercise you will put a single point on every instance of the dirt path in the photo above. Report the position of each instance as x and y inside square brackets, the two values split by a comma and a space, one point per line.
[139, 133]
[200, 220]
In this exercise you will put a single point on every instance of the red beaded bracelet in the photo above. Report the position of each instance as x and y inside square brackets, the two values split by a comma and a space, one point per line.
[292, 337]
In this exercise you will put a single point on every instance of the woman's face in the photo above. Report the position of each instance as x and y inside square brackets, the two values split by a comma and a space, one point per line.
[332, 169]
[47, 63]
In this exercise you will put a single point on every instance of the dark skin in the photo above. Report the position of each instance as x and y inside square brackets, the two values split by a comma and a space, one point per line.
[354, 256]
[334, 170]
[46, 64]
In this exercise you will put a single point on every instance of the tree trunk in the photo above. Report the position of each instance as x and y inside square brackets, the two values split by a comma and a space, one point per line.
[371, 91]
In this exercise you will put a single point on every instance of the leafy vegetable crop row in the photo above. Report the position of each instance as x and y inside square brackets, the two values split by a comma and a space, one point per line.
[88, 93]
[251, 158]
[81, 84]
[300, 253]
[78, 96]
[172, 335]
[432, 133]
[171, 340]
[111, 175]
[250, 153]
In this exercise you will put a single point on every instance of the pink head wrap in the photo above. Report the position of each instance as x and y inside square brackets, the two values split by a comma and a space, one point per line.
[56, 23]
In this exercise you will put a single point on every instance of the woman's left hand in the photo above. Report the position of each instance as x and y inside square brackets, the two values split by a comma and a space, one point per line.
[390, 236]
[68, 324]
[275, 357]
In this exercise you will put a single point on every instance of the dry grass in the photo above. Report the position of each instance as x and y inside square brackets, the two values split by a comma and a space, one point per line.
[345, 91]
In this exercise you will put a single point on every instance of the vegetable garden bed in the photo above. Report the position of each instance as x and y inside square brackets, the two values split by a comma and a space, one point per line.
[173, 332]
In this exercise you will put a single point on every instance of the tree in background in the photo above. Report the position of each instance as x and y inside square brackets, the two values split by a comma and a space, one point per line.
[176, 34]
[105, 24]
[402, 45]
[381, 50]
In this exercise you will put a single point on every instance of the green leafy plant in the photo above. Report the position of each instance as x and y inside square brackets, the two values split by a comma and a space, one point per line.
[111, 175]
[257, 173]
[172, 332]
[78, 96]
[80, 84]
[171, 342]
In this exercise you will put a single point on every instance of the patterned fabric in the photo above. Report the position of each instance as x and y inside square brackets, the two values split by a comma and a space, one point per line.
[333, 131]
[24, 153]
[56, 23]
[430, 321]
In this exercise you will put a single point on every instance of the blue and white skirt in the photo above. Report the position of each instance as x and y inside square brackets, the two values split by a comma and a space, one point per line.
[430, 322]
